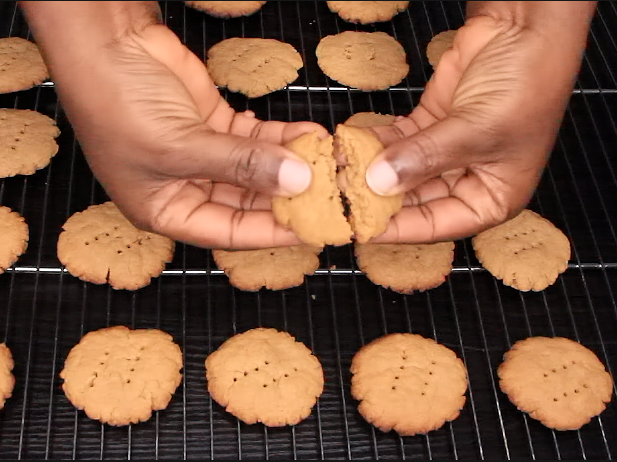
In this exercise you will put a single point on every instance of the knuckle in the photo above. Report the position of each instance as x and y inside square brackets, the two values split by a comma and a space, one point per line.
[155, 222]
[425, 152]
[246, 163]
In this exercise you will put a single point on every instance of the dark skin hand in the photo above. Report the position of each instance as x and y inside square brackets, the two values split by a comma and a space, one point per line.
[177, 160]
[472, 152]
[170, 152]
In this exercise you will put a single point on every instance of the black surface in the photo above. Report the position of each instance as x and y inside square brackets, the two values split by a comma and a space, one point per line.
[44, 312]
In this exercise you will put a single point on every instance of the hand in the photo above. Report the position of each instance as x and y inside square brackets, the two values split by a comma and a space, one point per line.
[170, 152]
[471, 154]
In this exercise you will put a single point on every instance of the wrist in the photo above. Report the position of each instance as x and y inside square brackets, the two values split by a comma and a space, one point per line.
[553, 17]
[85, 27]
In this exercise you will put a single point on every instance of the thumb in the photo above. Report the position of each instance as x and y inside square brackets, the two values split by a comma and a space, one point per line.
[253, 164]
[445, 145]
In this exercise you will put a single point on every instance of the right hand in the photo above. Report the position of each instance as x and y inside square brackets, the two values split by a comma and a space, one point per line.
[471, 154]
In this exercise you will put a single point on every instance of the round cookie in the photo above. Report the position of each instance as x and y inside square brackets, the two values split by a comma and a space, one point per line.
[527, 252]
[21, 65]
[555, 380]
[100, 245]
[119, 376]
[227, 9]
[408, 383]
[27, 141]
[367, 12]
[406, 268]
[317, 215]
[369, 213]
[253, 66]
[438, 45]
[7, 379]
[275, 268]
[265, 375]
[367, 61]
[15, 234]
[369, 119]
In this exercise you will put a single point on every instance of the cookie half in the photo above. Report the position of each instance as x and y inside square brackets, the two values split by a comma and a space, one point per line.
[100, 245]
[527, 252]
[555, 380]
[119, 376]
[369, 119]
[7, 379]
[227, 9]
[367, 12]
[275, 268]
[369, 212]
[367, 61]
[406, 268]
[265, 375]
[438, 45]
[27, 141]
[408, 383]
[253, 66]
[316, 215]
[15, 234]
[21, 65]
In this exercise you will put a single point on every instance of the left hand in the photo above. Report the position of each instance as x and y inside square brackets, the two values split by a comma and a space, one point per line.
[170, 152]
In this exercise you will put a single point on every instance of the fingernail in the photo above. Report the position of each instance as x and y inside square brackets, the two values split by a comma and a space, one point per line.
[294, 176]
[381, 177]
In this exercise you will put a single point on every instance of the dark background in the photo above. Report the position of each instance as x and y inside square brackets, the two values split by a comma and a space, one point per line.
[44, 311]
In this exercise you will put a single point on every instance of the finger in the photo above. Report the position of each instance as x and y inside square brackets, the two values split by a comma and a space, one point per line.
[433, 189]
[252, 164]
[239, 198]
[470, 209]
[445, 145]
[234, 196]
[273, 131]
[446, 219]
[441, 220]
[188, 217]
[399, 130]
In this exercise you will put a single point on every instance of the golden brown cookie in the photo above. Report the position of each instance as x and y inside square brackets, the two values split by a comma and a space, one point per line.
[21, 65]
[119, 376]
[367, 12]
[27, 141]
[227, 9]
[555, 380]
[438, 45]
[275, 268]
[369, 212]
[408, 383]
[14, 234]
[316, 215]
[527, 252]
[406, 268]
[7, 379]
[367, 61]
[100, 245]
[369, 119]
[265, 375]
[253, 66]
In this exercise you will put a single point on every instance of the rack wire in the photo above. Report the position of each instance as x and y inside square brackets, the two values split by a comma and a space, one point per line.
[44, 310]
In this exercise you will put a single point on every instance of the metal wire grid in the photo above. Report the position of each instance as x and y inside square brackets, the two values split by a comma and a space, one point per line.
[46, 311]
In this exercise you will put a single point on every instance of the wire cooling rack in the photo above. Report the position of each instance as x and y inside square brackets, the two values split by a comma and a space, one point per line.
[44, 311]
